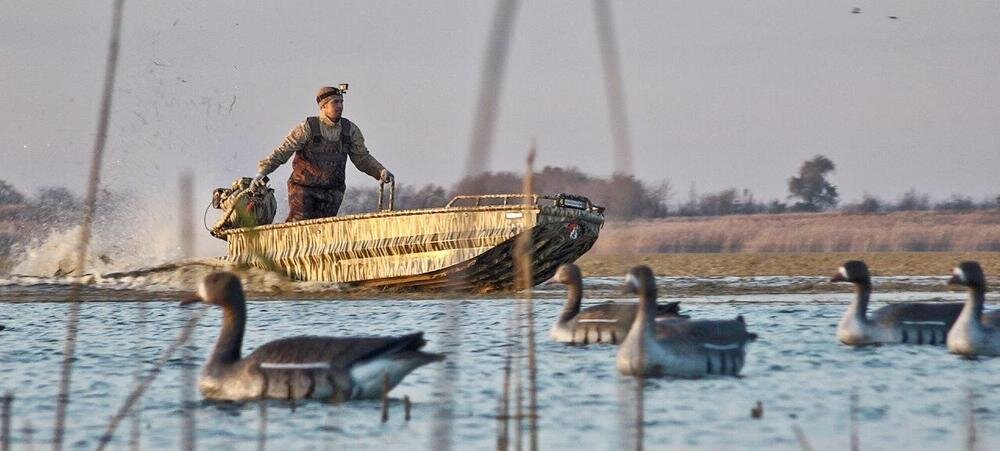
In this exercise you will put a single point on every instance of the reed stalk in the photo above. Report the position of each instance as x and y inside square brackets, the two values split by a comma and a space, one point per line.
[615, 91]
[90, 202]
[526, 285]
[640, 412]
[135, 432]
[186, 227]
[385, 397]
[801, 438]
[970, 420]
[447, 376]
[503, 407]
[28, 432]
[262, 425]
[490, 86]
[5, 421]
[148, 380]
[855, 440]
[188, 382]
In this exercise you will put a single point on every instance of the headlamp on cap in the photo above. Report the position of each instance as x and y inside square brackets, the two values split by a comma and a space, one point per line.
[328, 91]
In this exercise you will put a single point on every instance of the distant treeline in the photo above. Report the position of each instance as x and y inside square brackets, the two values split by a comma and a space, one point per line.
[629, 198]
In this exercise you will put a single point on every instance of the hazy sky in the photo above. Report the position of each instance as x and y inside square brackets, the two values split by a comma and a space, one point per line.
[719, 93]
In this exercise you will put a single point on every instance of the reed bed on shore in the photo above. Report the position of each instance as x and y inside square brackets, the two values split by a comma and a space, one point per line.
[921, 231]
[787, 263]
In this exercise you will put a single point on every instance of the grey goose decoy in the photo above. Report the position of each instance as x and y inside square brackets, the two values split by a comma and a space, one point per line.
[603, 323]
[921, 323]
[975, 332]
[681, 348]
[331, 368]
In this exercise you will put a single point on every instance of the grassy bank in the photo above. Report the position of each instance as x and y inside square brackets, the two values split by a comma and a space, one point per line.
[787, 264]
[922, 231]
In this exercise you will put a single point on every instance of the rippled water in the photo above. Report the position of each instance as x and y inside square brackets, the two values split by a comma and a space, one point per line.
[908, 397]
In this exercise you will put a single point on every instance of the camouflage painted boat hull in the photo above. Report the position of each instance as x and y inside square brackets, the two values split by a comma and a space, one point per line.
[452, 248]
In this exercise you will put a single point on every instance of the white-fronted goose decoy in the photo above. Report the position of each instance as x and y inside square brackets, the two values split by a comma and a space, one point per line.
[921, 323]
[681, 348]
[603, 323]
[974, 333]
[330, 368]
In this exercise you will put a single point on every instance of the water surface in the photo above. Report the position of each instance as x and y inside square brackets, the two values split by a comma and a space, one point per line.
[908, 397]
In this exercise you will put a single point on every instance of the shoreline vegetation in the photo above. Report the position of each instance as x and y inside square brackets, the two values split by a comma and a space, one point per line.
[787, 263]
[912, 231]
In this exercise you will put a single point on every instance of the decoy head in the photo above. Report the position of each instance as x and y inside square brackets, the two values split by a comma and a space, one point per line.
[218, 288]
[567, 273]
[640, 280]
[854, 271]
[968, 273]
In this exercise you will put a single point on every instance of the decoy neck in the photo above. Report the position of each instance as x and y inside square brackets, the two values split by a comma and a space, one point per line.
[224, 290]
[569, 275]
[971, 275]
[856, 272]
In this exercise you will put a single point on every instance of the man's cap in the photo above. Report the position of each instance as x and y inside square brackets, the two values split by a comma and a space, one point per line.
[326, 92]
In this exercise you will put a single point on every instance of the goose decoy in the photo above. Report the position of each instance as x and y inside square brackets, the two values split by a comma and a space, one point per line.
[682, 348]
[975, 332]
[603, 323]
[331, 368]
[921, 323]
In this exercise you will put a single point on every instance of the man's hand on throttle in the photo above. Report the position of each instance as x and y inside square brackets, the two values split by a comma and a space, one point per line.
[386, 177]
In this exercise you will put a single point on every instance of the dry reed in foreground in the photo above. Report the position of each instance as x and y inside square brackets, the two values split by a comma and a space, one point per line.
[808, 232]
[788, 264]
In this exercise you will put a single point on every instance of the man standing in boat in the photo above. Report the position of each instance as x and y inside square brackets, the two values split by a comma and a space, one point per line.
[322, 144]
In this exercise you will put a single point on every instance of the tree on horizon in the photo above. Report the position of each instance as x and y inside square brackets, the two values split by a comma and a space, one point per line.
[812, 187]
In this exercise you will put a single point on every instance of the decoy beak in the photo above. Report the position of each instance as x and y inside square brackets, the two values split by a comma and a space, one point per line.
[191, 298]
[838, 277]
[955, 280]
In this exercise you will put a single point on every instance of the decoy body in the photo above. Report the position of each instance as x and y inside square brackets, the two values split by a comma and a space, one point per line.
[921, 323]
[336, 369]
[974, 333]
[603, 323]
[682, 348]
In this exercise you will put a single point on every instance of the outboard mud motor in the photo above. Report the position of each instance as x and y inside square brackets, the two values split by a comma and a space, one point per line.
[244, 204]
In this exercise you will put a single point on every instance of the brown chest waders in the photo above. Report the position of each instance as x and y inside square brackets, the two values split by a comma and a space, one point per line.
[316, 187]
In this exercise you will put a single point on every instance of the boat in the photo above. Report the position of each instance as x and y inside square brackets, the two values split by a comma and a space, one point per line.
[468, 244]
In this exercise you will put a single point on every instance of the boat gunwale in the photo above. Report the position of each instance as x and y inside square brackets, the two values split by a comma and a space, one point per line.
[599, 217]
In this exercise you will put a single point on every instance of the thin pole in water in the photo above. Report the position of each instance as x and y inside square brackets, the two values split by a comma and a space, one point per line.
[5, 421]
[104, 118]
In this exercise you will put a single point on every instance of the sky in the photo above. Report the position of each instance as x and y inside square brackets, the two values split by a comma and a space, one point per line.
[719, 94]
